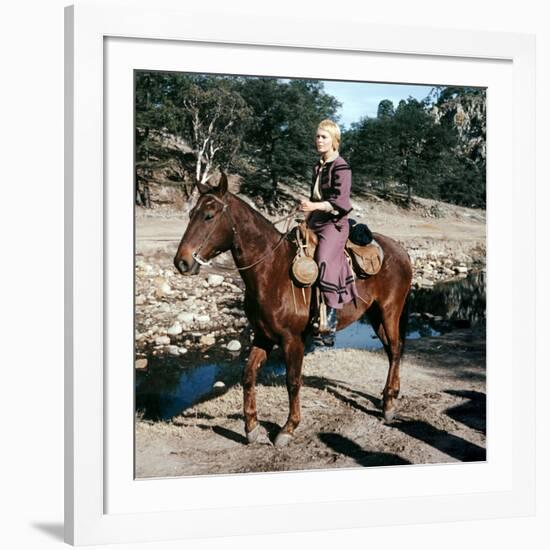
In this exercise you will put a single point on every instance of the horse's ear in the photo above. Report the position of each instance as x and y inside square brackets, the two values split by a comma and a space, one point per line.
[203, 188]
[221, 189]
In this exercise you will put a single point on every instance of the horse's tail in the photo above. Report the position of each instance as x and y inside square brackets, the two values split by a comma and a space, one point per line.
[404, 322]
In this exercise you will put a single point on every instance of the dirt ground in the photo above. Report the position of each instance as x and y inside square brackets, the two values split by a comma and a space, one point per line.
[441, 416]
[441, 410]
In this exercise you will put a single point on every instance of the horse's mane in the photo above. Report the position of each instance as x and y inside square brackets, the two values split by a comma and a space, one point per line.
[257, 215]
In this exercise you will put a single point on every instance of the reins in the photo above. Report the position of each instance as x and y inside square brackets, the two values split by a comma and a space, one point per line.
[225, 210]
[283, 237]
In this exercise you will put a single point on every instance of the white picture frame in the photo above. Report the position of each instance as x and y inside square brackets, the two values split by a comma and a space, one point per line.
[103, 503]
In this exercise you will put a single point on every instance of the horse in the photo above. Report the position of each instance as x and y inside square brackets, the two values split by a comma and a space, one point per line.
[222, 221]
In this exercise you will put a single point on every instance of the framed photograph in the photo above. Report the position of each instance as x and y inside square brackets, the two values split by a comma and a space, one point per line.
[209, 378]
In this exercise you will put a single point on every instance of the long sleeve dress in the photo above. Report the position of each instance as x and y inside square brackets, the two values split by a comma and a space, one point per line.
[331, 182]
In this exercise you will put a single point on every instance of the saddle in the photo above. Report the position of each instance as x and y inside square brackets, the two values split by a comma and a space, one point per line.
[365, 260]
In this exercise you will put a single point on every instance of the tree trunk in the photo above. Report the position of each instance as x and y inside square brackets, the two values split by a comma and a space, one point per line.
[272, 171]
[139, 202]
[146, 195]
[274, 181]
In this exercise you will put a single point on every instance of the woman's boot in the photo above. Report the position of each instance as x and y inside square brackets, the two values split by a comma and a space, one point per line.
[329, 334]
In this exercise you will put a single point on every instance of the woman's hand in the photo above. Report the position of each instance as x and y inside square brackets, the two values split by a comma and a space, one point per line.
[308, 206]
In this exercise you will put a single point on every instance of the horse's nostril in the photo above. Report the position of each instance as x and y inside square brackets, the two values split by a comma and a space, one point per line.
[182, 266]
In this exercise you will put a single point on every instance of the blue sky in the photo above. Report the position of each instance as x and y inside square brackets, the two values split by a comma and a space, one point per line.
[361, 99]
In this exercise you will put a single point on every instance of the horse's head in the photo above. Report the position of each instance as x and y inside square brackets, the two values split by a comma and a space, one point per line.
[209, 231]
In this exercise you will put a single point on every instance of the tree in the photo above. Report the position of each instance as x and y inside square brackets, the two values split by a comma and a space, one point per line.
[280, 139]
[215, 117]
[386, 109]
[266, 98]
[370, 148]
[148, 119]
[413, 126]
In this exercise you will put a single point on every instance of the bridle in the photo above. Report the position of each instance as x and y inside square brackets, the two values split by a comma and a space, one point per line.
[196, 256]
[227, 211]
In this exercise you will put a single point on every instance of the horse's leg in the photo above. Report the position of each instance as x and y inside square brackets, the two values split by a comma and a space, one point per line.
[375, 318]
[258, 355]
[390, 322]
[293, 349]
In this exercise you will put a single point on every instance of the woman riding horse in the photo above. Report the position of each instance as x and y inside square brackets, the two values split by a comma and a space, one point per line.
[222, 221]
[327, 215]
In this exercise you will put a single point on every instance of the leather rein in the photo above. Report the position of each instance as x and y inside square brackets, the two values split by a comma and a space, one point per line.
[225, 210]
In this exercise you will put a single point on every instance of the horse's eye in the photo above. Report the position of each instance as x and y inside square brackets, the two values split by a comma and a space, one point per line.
[208, 216]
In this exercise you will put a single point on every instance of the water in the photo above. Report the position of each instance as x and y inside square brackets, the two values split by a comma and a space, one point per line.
[171, 385]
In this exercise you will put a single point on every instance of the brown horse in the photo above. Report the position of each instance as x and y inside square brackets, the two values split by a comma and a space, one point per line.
[221, 221]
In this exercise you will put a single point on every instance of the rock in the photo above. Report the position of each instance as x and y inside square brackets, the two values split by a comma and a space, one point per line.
[207, 340]
[141, 364]
[202, 318]
[215, 280]
[234, 345]
[175, 329]
[186, 317]
[219, 384]
[461, 269]
[171, 350]
[163, 289]
[182, 350]
[162, 340]
[140, 300]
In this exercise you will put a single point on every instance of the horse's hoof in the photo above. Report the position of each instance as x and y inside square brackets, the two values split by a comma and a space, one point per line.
[389, 414]
[258, 435]
[283, 439]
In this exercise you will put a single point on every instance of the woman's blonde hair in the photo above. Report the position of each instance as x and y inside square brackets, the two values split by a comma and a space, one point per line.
[333, 129]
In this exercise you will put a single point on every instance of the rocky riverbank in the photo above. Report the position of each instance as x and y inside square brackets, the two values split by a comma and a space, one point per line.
[176, 314]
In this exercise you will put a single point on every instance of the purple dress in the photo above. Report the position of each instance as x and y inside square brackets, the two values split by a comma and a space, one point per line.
[332, 229]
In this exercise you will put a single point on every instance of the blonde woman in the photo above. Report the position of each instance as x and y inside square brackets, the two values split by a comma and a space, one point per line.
[327, 214]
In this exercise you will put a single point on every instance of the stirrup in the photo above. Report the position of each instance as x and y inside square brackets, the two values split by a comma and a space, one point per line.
[329, 320]
[324, 340]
